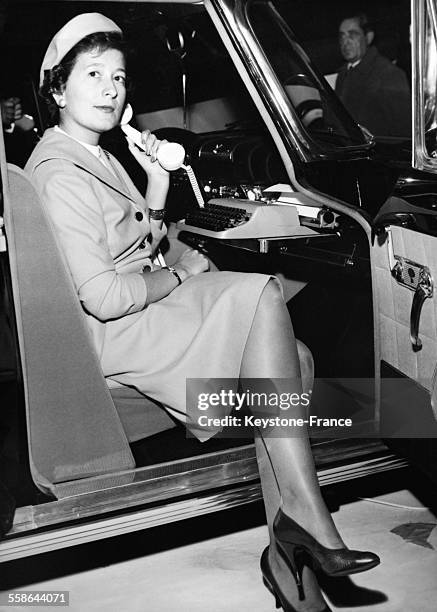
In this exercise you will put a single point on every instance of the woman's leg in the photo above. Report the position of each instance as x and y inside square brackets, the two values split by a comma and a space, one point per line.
[271, 352]
[285, 461]
[313, 597]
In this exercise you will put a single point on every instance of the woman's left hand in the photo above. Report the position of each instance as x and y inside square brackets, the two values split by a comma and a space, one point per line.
[148, 158]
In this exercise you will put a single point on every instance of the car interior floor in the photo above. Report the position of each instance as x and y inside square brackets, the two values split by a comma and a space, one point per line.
[187, 566]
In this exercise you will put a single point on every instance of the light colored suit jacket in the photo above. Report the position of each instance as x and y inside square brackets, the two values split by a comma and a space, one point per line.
[102, 227]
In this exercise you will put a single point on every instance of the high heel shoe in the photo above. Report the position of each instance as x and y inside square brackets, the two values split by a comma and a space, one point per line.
[272, 585]
[293, 540]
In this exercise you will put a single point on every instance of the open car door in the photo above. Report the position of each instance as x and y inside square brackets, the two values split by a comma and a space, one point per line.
[404, 260]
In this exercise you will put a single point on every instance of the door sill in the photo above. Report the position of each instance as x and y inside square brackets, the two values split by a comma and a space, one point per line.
[111, 512]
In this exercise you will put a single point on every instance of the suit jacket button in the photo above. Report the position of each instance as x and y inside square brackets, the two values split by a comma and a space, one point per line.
[139, 216]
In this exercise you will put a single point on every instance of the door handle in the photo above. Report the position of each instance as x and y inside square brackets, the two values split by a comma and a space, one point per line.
[417, 278]
[424, 289]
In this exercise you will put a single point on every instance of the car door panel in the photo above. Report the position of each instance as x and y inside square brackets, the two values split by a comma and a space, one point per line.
[395, 301]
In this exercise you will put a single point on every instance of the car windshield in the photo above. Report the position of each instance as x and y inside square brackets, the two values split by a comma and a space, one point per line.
[316, 106]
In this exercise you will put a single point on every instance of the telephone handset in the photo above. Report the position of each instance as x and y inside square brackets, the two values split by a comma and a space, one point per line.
[170, 155]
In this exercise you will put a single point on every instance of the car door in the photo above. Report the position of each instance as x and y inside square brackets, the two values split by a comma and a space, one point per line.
[404, 259]
[403, 253]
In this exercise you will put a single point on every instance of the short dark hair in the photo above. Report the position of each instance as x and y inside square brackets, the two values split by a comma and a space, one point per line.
[56, 78]
[363, 20]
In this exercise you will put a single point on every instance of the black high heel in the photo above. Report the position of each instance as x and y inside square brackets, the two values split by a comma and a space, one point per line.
[272, 585]
[293, 540]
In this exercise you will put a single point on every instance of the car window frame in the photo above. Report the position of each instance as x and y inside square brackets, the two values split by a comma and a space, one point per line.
[420, 10]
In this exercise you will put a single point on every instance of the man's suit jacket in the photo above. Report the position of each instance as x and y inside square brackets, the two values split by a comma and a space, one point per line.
[377, 95]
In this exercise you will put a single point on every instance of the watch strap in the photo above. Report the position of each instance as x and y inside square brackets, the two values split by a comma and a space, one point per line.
[156, 214]
[175, 274]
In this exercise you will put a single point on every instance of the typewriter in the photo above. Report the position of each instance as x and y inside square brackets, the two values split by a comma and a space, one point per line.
[237, 219]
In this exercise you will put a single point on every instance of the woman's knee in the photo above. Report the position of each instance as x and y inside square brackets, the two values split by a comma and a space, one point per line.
[271, 296]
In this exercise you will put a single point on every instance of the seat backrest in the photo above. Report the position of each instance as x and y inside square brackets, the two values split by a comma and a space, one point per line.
[74, 430]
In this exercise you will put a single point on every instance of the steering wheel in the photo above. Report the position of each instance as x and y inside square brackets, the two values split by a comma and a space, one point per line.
[310, 112]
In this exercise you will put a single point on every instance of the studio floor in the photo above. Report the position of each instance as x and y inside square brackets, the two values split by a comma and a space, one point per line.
[212, 563]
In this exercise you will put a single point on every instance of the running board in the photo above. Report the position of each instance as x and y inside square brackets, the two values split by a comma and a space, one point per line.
[26, 519]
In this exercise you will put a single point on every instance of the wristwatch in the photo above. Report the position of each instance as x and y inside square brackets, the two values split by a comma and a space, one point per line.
[174, 272]
[156, 214]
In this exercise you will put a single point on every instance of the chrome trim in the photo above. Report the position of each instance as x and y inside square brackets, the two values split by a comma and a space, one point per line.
[273, 99]
[32, 543]
[233, 15]
[417, 52]
[174, 473]
[13, 548]
[419, 9]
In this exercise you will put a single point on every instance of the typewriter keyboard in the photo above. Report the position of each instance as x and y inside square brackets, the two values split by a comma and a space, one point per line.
[217, 218]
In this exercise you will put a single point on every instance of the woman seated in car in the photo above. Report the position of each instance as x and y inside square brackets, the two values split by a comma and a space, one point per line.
[154, 326]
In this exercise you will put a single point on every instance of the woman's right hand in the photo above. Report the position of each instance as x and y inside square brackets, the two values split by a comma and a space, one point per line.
[191, 263]
[148, 158]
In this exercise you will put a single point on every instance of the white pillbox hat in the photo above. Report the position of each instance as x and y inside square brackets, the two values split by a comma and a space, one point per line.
[69, 35]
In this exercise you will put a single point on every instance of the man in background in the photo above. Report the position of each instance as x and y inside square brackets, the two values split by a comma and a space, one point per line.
[18, 128]
[374, 91]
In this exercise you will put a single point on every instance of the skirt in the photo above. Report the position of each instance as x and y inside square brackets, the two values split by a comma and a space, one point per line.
[198, 331]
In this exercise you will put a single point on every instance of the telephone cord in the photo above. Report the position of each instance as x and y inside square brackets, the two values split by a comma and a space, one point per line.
[195, 185]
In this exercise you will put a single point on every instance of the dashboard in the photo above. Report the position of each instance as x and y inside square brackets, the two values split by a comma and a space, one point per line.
[242, 165]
